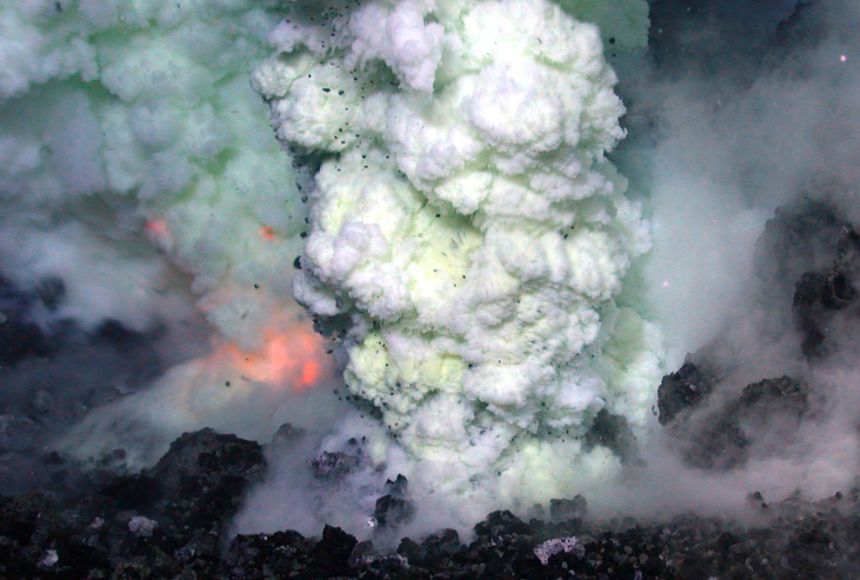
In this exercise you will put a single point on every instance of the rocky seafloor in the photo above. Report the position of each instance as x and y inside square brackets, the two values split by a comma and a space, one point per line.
[172, 520]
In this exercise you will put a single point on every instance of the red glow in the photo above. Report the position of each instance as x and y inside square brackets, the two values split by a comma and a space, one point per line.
[268, 232]
[310, 373]
[296, 358]
[157, 228]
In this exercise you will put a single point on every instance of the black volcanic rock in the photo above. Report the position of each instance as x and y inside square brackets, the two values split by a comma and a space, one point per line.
[114, 333]
[182, 504]
[154, 524]
[501, 523]
[51, 291]
[267, 555]
[807, 274]
[399, 487]
[394, 508]
[801, 237]
[52, 374]
[762, 420]
[568, 509]
[106, 536]
[504, 547]
[440, 546]
[334, 465]
[820, 296]
[683, 390]
[613, 431]
[203, 477]
[20, 336]
[392, 511]
[137, 491]
[330, 556]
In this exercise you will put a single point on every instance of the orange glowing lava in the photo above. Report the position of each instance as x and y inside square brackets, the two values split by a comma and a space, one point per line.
[157, 228]
[268, 232]
[294, 358]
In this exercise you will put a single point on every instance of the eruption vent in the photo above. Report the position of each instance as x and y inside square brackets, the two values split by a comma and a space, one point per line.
[293, 358]
[467, 223]
[138, 170]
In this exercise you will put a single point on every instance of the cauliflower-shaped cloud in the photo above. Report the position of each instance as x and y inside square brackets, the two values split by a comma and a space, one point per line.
[465, 218]
[138, 105]
[137, 165]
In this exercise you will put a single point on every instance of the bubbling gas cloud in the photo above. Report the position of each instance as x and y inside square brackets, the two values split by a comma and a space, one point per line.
[147, 113]
[466, 223]
[132, 153]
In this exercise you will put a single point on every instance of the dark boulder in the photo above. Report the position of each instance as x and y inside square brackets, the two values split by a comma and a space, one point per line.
[137, 491]
[440, 545]
[334, 466]
[394, 508]
[501, 523]
[20, 336]
[391, 511]
[761, 421]
[801, 237]
[275, 555]
[683, 390]
[204, 475]
[568, 509]
[330, 556]
[39, 538]
[821, 296]
[439, 551]
[613, 431]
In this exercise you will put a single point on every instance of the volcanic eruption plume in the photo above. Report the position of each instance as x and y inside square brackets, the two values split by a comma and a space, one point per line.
[410, 246]
[134, 154]
[466, 223]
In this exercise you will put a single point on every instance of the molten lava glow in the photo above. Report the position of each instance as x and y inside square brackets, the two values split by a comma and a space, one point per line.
[157, 229]
[268, 232]
[295, 358]
[310, 373]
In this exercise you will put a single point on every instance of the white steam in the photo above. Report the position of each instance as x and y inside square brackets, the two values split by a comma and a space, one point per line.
[720, 145]
[468, 224]
[131, 147]
[723, 152]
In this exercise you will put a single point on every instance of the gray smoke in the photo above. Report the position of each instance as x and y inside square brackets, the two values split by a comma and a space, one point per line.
[743, 122]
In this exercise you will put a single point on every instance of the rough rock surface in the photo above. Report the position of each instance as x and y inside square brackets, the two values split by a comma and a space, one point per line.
[334, 465]
[822, 297]
[762, 420]
[808, 265]
[42, 538]
[808, 270]
[394, 508]
[54, 374]
[802, 236]
[154, 524]
[20, 337]
[682, 390]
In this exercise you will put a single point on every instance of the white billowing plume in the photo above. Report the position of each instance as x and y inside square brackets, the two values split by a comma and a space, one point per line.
[467, 222]
[139, 105]
[129, 134]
